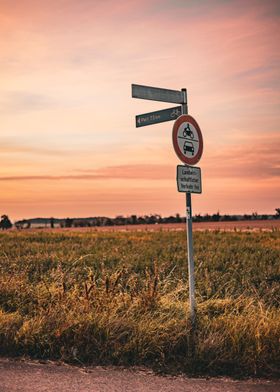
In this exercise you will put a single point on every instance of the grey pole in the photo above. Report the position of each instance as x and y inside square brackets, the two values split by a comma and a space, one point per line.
[189, 237]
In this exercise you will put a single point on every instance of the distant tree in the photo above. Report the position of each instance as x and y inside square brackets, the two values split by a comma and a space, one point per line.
[141, 220]
[133, 219]
[120, 220]
[178, 218]
[94, 222]
[159, 218]
[5, 222]
[52, 222]
[80, 223]
[197, 218]
[97, 221]
[277, 215]
[216, 217]
[151, 219]
[109, 222]
[226, 218]
[170, 219]
[68, 222]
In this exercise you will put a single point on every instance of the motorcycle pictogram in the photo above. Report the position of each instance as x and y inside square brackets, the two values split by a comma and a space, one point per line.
[188, 132]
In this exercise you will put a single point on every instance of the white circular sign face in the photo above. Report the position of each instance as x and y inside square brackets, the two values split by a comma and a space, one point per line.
[187, 139]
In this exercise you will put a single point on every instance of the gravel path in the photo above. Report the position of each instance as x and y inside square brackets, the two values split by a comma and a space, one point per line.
[27, 376]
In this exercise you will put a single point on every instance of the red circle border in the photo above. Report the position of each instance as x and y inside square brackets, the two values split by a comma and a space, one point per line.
[178, 122]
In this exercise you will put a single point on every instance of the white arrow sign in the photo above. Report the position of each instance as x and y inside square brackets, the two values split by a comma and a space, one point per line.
[157, 94]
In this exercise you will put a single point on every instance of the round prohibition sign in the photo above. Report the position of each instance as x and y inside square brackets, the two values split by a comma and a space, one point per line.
[187, 139]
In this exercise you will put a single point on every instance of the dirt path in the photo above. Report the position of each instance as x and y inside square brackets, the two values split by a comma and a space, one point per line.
[27, 376]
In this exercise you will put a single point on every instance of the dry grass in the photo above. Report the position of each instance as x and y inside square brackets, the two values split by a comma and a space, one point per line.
[122, 298]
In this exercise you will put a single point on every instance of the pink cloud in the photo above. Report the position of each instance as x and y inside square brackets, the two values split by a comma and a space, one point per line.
[125, 172]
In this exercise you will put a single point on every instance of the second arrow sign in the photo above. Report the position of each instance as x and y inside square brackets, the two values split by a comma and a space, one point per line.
[158, 116]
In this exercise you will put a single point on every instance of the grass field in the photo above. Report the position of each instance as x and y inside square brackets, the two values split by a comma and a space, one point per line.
[122, 298]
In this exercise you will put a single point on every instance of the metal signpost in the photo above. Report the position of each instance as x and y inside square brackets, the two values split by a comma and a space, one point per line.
[188, 145]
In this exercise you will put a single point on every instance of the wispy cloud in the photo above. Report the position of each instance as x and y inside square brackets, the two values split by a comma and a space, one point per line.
[254, 157]
[127, 172]
[12, 148]
[22, 102]
[248, 161]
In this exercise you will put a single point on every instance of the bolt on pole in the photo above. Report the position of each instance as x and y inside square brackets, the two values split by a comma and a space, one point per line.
[189, 237]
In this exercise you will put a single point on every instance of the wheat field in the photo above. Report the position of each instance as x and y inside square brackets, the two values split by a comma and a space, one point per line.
[122, 298]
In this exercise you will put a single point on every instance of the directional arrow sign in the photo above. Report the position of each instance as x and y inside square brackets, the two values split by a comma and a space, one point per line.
[188, 179]
[157, 94]
[158, 117]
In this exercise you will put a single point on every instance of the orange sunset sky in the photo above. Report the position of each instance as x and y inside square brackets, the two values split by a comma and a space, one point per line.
[68, 142]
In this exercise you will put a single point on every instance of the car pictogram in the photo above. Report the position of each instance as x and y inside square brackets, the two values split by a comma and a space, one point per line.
[188, 146]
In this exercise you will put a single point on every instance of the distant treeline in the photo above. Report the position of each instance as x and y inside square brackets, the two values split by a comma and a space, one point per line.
[137, 220]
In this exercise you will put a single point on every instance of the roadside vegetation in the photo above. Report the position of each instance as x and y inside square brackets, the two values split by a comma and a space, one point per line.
[120, 220]
[122, 298]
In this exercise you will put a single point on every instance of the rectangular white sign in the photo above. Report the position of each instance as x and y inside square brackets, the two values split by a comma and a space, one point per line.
[189, 179]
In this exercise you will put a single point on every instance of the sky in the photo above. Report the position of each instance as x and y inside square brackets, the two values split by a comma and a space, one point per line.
[68, 141]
